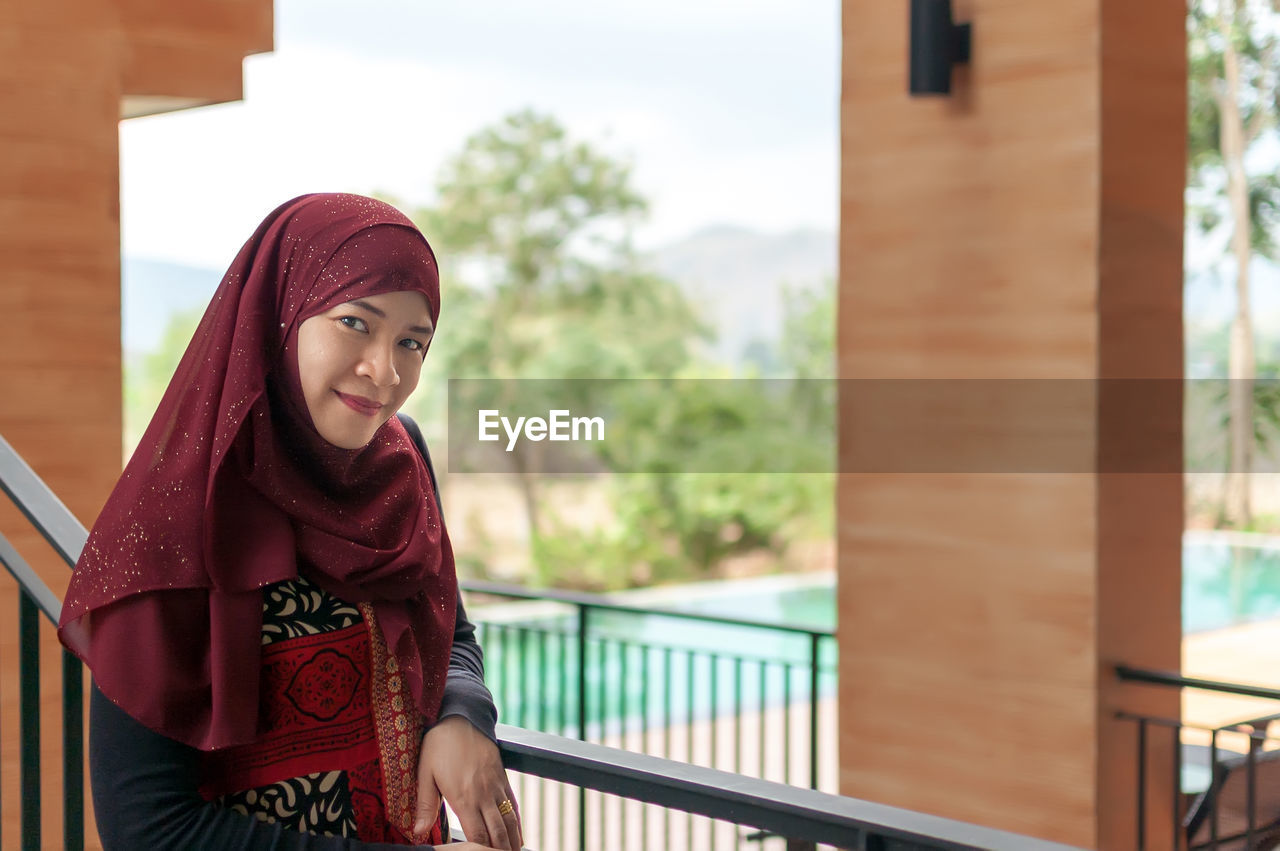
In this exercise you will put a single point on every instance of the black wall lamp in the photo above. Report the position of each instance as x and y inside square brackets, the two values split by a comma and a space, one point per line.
[937, 43]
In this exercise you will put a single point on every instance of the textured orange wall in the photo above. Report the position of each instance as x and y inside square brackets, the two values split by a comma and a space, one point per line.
[60, 295]
[1027, 227]
[65, 69]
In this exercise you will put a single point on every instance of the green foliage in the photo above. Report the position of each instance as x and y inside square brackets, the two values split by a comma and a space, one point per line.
[1206, 419]
[808, 345]
[147, 375]
[686, 508]
[681, 512]
[682, 526]
[1233, 100]
[1249, 27]
[1252, 34]
[1251, 31]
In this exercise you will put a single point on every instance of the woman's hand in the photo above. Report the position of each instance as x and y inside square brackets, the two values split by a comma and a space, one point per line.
[462, 764]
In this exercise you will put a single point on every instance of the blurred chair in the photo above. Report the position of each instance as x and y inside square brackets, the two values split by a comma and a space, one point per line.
[1229, 791]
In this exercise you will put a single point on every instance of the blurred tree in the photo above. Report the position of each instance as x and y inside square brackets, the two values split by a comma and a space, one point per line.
[1234, 96]
[542, 278]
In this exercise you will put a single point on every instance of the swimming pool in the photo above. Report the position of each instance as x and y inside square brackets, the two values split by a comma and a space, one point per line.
[1229, 579]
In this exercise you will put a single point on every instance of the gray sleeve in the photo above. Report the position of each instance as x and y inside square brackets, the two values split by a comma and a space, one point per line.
[465, 693]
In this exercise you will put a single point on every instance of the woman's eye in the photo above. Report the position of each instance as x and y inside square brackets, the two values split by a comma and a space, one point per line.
[354, 322]
[412, 344]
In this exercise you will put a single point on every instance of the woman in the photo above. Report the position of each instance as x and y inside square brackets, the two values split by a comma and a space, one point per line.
[267, 601]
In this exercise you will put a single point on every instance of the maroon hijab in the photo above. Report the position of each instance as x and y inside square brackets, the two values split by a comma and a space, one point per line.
[231, 489]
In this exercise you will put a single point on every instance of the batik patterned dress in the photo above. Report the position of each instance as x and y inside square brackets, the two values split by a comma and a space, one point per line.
[339, 751]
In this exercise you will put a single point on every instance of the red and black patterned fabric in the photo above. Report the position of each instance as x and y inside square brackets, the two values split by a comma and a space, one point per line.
[338, 752]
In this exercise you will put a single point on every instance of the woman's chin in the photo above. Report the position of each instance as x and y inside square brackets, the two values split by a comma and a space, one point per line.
[349, 436]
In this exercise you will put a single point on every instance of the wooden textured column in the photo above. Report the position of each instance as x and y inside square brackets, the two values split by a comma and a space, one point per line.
[1028, 227]
[69, 70]
[60, 296]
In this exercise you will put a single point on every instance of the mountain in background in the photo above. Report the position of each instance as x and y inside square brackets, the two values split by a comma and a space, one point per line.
[734, 276]
[738, 278]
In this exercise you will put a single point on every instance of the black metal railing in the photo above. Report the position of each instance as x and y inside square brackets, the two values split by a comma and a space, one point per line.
[66, 535]
[804, 816]
[722, 692]
[1225, 794]
[807, 817]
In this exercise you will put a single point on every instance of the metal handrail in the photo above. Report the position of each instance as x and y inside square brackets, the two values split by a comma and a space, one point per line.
[1173, 680]
[596, 601]
[790, 811]
[40, 505]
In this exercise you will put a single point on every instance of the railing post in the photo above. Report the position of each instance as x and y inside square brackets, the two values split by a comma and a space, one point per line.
[1214, 790]
[582, 672]
[814, 649]
[1177, 787]
[1251, 791]
[72, 752]
[29, 721]
[1142, 784]
[582, 718]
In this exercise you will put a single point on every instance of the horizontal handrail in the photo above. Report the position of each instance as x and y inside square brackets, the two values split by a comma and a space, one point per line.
[41, 505]
[29, 581]
[1173, 680]
[596, 601]
[783, 810]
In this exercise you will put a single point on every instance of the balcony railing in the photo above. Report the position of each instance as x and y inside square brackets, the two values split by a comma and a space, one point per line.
[805, 817]
[1225, 785]
[745, 696]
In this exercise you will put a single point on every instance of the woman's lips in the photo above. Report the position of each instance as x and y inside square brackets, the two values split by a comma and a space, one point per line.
[360, 404]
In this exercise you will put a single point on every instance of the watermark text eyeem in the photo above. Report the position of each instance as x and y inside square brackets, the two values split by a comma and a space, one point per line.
[558, 425]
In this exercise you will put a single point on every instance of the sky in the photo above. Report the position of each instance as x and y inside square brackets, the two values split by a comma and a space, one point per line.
[728, 112]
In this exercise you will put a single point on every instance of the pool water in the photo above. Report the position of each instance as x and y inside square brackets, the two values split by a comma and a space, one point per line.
[1228, 580]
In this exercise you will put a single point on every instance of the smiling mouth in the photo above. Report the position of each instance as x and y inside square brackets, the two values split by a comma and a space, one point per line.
[359, 404]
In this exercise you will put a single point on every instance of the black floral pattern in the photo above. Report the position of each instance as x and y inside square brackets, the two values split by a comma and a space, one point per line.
[319, 804]
[298, 607]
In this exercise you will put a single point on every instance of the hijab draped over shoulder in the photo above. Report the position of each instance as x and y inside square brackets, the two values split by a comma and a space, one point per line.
[232, 489]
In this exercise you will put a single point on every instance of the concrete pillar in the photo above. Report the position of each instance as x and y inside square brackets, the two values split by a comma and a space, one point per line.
[1027, 227]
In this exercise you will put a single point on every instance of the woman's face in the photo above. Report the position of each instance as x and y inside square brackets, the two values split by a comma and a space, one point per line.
[359, 361]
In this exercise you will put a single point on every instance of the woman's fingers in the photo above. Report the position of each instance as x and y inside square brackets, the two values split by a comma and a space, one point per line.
[497, 827]
[510, 811]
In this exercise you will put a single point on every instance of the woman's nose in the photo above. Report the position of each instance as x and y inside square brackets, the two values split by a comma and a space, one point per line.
[379, 365]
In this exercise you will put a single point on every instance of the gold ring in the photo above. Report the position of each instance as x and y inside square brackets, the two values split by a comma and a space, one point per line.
[505, 808]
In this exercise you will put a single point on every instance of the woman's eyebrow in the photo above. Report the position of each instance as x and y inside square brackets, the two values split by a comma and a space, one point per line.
[417, 329]
[369, 307]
